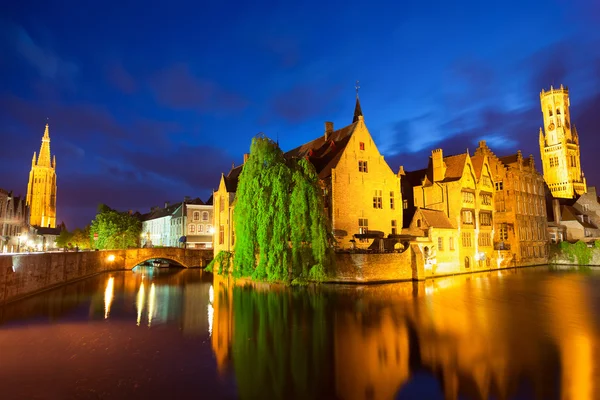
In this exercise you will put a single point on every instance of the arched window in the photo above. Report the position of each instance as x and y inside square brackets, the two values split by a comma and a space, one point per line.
[204, 215]
[192, 228]
[196, 215]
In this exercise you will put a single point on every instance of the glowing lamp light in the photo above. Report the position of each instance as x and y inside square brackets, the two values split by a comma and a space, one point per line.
[110, 258]
[211, 230]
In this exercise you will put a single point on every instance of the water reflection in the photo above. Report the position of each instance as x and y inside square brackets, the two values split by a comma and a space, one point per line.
[525, 334]
[108, 296]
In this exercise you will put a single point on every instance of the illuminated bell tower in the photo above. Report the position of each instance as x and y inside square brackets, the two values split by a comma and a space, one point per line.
[41, 190]
[559, 146]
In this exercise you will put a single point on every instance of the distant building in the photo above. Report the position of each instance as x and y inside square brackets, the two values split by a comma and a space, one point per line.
[181, 220]
[199, 221]
[41, 189]
[156, 226]
[559, 146]
[574, 219]
[13, 222]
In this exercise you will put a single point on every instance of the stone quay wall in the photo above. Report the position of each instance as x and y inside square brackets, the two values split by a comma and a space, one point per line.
[24, 274]
[387, 267]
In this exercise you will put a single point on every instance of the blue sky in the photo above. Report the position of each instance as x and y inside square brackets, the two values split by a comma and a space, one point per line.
[150, 102]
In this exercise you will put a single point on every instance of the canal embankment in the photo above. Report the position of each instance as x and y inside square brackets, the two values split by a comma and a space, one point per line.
[26, 274]
[578, 253]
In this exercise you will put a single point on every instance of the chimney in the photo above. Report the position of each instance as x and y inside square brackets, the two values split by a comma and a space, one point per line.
[166, 204]
[437, 161]
[246, 155]
[556, 211]
[401, 170]
[328, 130]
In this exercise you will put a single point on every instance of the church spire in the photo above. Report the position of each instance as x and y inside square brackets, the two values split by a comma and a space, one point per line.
[44, 157]
[357, 110]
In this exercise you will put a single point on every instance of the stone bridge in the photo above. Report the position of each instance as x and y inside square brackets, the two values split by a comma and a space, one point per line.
[189, 258]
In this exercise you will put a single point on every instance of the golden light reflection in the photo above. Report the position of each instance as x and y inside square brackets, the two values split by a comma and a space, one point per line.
[140, 302]
[211, 313]
[151, 304]
[108, 296]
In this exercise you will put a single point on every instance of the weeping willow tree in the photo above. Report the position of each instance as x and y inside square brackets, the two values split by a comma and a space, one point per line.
[281, 229]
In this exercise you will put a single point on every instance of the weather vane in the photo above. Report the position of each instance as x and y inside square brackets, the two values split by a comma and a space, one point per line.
[357, 87]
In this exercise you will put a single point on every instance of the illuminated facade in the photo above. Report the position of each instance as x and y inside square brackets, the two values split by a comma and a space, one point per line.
[361, 192]
[520, 221]
[559, 146]
[13, 222]
[460, 187]
[41, 190]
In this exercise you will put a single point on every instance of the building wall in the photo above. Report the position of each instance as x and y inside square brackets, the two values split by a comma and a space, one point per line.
[588, 205]
[353, 191]
[157, 231]
[362, 267]
[559, 146]
[223, 238]
[520, 221]
[200, 228]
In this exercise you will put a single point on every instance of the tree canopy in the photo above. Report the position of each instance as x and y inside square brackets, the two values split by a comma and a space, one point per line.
[115, 229]
[280, 224]
[78, 238]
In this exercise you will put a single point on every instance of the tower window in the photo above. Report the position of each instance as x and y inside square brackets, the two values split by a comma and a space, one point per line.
[362, 145]
[549, 113]
[558, 111]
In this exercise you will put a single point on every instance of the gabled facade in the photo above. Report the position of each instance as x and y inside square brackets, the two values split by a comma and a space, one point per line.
[452, 186]
[41, 189]
[180, 223]
[520, 222]
[361, 192]
[437, 238]
[156, 226]
[559, 146]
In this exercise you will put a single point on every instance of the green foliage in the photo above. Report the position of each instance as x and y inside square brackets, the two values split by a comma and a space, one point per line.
[222, 260]
[281, 344]
[281, 228]
[578, 252]
[116, 230]
[79, 238]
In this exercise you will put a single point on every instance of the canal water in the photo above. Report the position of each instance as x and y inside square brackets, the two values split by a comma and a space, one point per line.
[172, 334]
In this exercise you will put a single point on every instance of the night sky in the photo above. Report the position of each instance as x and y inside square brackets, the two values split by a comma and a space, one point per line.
[150, 101]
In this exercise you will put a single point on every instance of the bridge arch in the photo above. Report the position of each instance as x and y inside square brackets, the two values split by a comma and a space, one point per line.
[188, 258]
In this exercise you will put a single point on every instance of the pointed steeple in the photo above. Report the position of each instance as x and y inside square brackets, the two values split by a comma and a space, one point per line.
[44, 157]
[357, 110]
[33, 159]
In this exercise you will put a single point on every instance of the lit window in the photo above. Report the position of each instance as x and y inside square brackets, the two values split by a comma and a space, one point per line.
[362, 145]
[200, 228]
[467, 217]
[486, 199]
[451, 243]
[485, 219]
[503, 232]
[440, 243]
[192, 228]
[394, 227]
[405, 204]
[363, 227]
[377, 199]
[468, 197]
[362, 166]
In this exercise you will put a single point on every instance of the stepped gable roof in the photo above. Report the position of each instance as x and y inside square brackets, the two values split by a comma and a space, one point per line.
[436, 218]
[324, 154]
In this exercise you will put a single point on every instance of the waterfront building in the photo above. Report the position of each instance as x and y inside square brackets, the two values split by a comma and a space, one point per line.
[520, 221]
[559, 146]
[156, 226]
[465, 195]
[41, 189]
[572, 220]
[200, 231]
[361, 192]
[181, 223]
[13, 222]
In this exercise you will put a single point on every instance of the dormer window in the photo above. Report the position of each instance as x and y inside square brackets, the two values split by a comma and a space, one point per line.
[361, 145]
